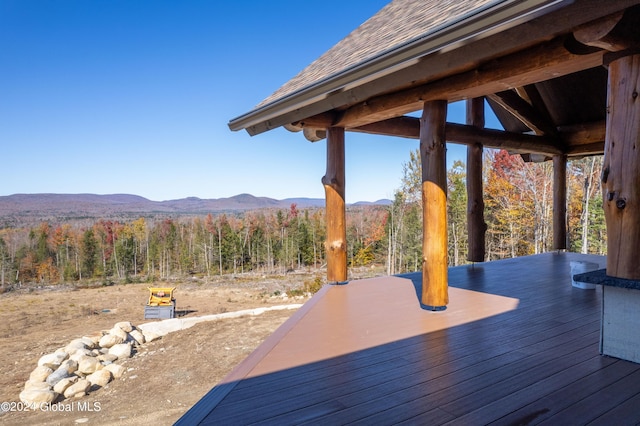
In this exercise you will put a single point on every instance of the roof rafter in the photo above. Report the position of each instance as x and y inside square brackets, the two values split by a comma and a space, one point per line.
[525, 112]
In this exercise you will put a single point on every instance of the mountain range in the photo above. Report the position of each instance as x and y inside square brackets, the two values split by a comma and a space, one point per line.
[116, 205]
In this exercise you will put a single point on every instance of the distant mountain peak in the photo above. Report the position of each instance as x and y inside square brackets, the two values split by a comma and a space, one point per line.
[19, 207]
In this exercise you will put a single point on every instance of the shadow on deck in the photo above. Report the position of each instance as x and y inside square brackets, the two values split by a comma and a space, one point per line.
[517, 344]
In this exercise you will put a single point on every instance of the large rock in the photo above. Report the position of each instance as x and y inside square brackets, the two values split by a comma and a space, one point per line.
[90, 342]
[125, 326]
[89, 364]
[37, 385]
[117, 331]
[150, 336]
[100, 378]
[79, 388]
[81, 343]
[107, 359]
[40, 373]
[74, 345]
[110, 339]
[66, 369]
[56, 376]
[123, 350]
[53, 360]
[116, 370]
[80, 354]
[63, 384]
[69, 365]
[137, 337]
[36, 397]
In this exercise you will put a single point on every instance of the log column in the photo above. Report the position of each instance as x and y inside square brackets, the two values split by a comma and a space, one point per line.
[334, 187]
[559, 202]
[476, 226]
[435, 294]
[621, 168]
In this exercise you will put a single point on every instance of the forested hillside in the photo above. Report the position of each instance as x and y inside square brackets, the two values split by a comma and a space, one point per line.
[518, 210]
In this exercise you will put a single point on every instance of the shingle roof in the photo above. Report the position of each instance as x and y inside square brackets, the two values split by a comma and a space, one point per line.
[399, 22]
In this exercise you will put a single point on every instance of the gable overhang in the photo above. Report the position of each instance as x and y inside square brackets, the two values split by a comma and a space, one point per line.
[335, 90]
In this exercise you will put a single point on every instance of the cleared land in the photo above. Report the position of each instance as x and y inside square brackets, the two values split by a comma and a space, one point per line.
[166, 376]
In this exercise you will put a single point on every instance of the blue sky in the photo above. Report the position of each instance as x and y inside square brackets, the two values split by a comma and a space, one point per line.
[134, 96]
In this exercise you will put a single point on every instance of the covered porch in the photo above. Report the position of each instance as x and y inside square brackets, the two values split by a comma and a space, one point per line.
[511, 341]
[516, 345]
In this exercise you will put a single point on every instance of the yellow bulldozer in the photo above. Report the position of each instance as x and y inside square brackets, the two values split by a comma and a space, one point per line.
[161, 303]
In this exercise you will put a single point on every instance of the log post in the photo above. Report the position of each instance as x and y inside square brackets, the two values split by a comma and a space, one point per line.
[559, 202]
[434, 204]
[334, 187]
[621, 168]
[476, 226]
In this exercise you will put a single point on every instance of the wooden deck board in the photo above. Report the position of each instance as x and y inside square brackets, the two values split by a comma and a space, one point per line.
[516, 345]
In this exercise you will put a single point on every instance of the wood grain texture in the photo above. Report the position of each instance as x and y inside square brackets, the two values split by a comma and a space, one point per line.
[476, 226]
[559, 202]
[334, 186]
[434, 204]
[621, 169]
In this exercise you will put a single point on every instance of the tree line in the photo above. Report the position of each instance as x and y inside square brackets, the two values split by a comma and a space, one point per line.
[518, 212]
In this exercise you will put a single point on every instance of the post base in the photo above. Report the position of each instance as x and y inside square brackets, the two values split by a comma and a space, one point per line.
[432, 308]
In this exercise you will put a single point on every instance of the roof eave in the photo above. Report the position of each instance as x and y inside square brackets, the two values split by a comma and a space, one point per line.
[315, 98]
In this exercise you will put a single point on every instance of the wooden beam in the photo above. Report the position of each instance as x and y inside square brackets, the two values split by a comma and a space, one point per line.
[621, 169]
[578, 139]
[314, 135]
[614, 33]
[582, 134]
[476, 226]
[559, 202]
[435, 295]
[540, 63]
[334, 186]
[409, 127]
[525, 112]
[596, 148]
[583, 139]
[320, 121]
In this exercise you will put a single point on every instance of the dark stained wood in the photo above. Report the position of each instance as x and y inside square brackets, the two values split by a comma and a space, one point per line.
[615, 32]
[334, 186]
[559, 202]
[536, 361]
[476, 226]
[542, 62]
[586, 150]
[525, 112]
[621, 169]
[575, 136]
[573, 140]
[434, 204]
[409, 127]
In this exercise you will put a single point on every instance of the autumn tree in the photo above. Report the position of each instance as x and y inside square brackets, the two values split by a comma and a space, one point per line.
[587, 231]
[508, 208]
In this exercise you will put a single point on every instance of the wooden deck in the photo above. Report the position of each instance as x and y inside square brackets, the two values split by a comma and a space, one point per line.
[516, 345]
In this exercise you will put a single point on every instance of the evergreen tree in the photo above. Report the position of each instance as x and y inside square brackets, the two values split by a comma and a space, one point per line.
[89, 254]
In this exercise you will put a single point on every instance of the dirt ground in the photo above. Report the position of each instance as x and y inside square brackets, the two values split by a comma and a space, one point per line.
[166, 377]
